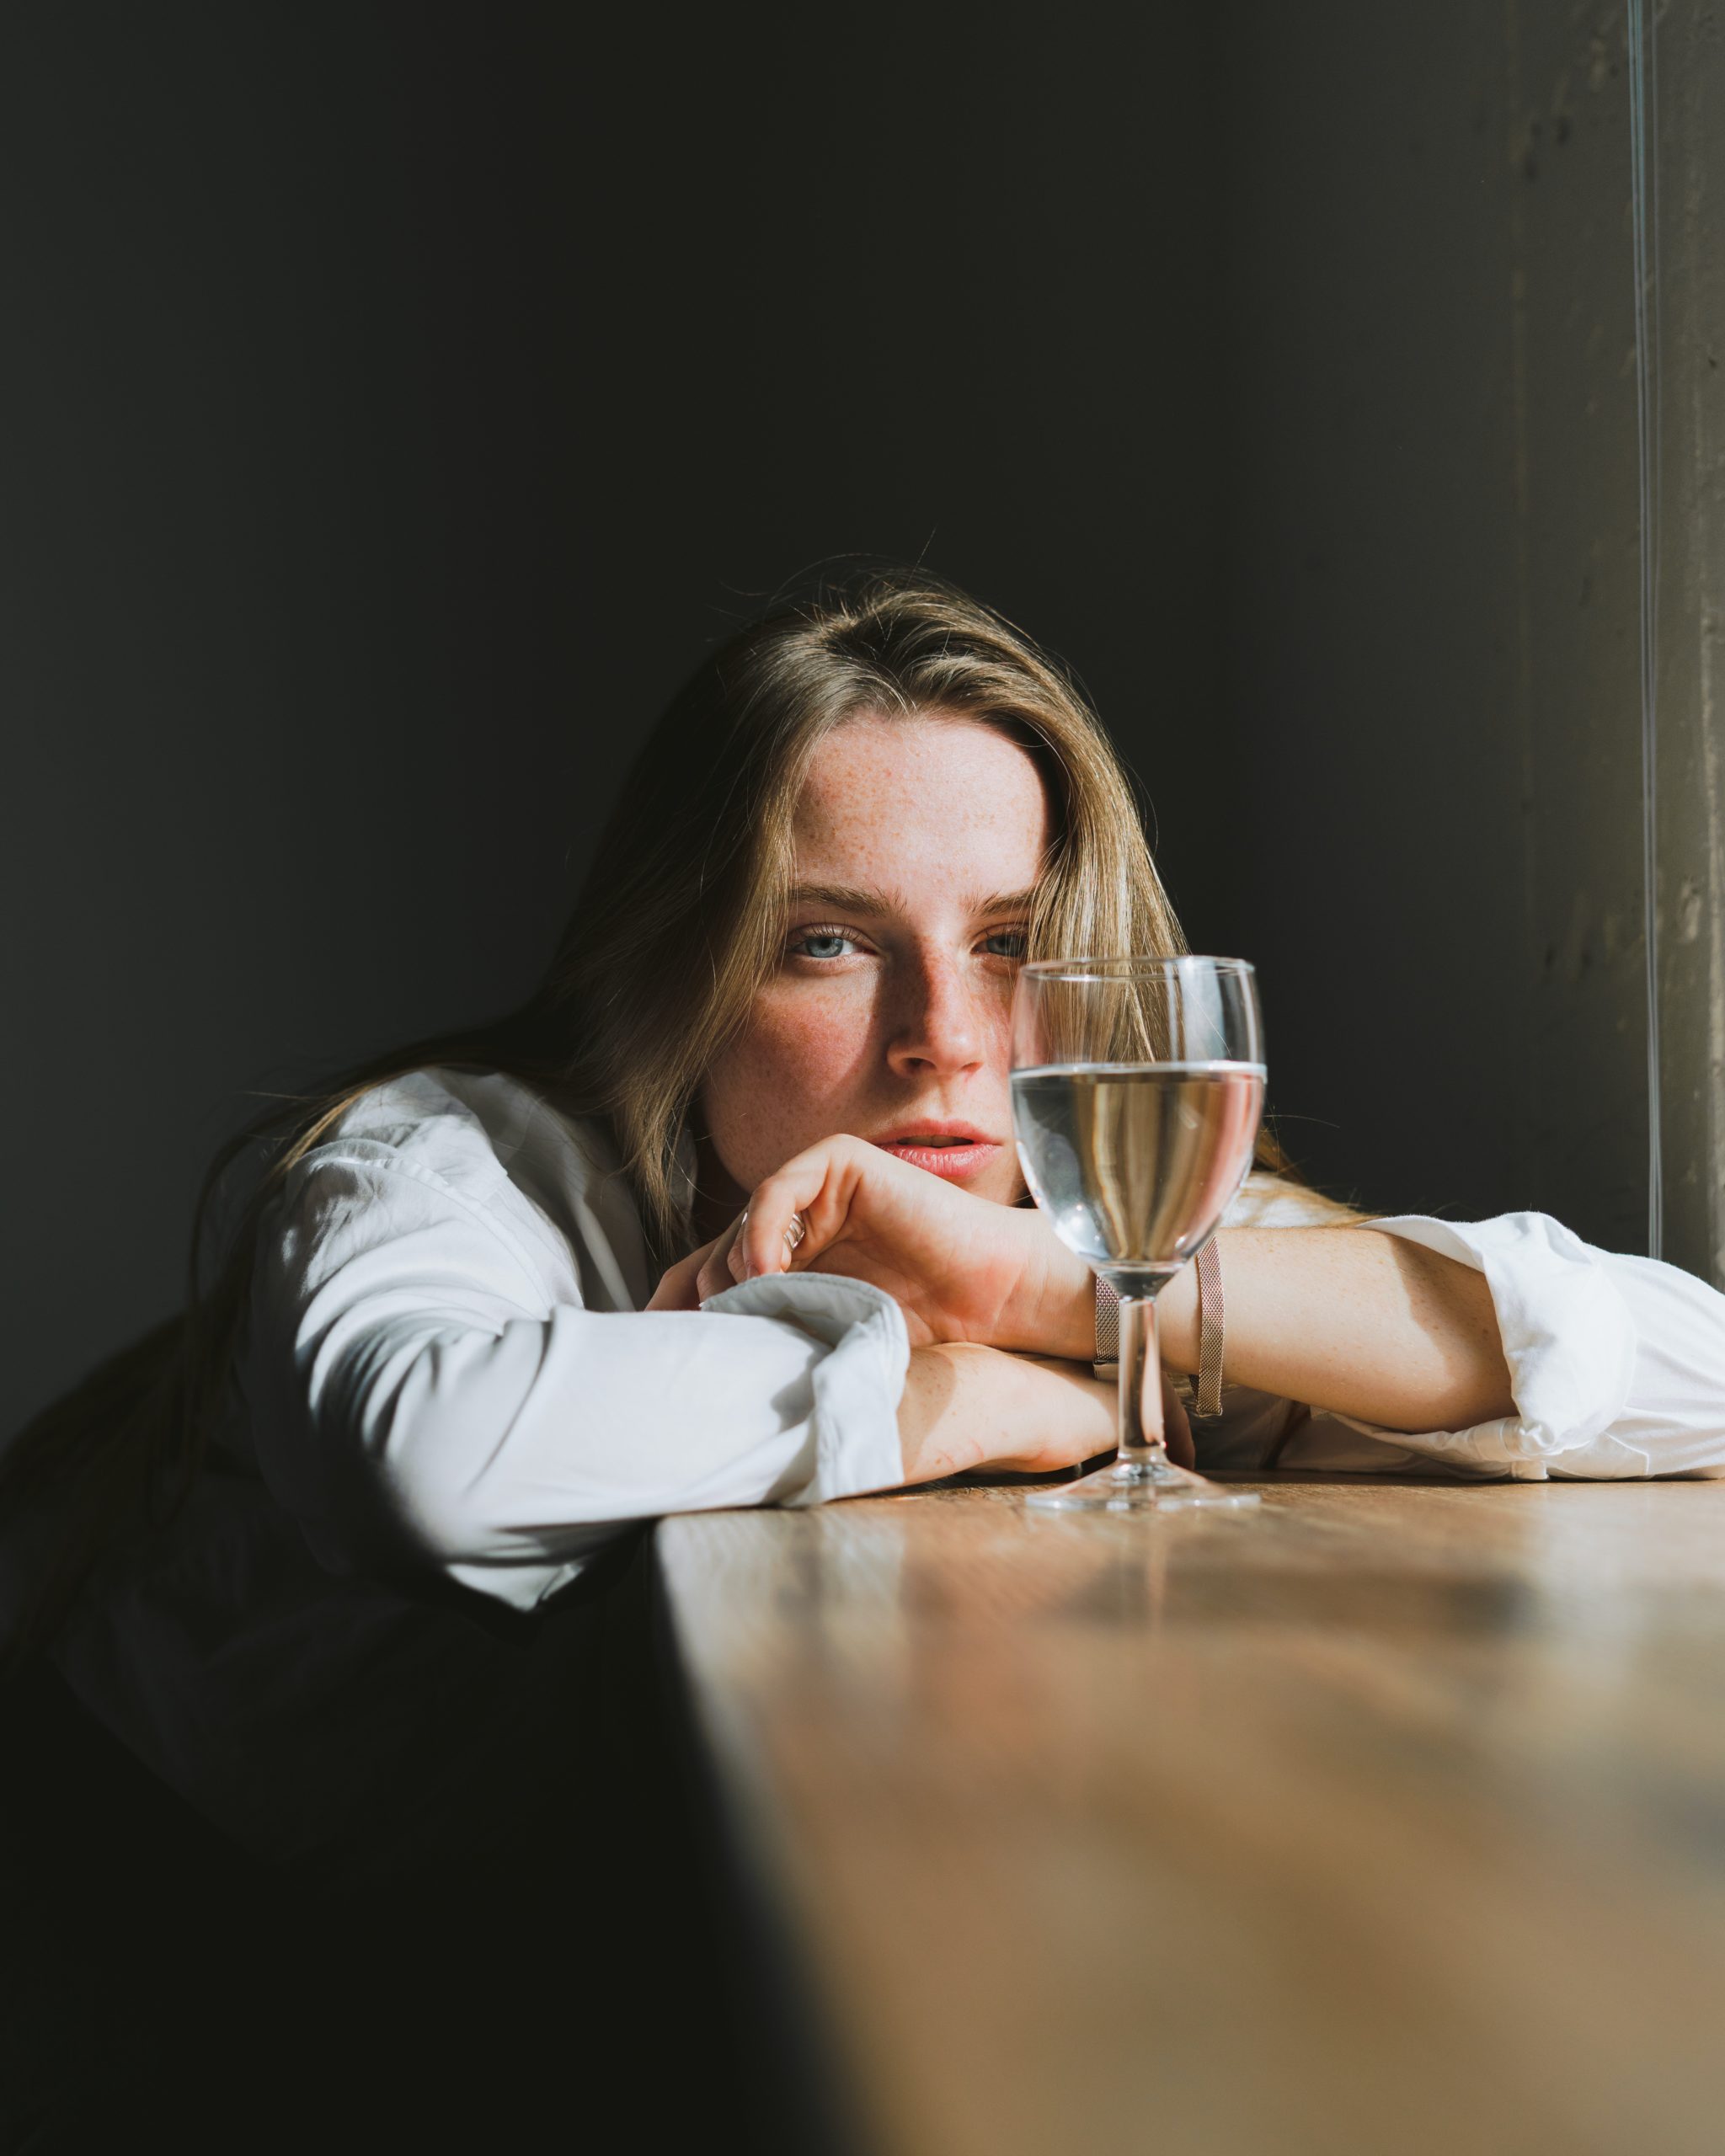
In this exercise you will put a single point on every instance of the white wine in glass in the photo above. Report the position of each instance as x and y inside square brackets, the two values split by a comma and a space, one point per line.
[1137, 1088]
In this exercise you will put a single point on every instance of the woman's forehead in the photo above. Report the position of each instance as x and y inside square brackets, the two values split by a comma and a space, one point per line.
[914, 790]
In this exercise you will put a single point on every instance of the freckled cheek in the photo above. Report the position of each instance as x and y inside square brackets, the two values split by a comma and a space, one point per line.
[791, 1077]
[806, 1046]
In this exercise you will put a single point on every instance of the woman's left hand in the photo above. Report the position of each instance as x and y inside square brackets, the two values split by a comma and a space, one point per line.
[962, 1267]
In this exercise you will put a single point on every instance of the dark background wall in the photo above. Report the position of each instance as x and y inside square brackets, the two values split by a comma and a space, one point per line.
[1432, 595]
[397, 399]
[1437, 531]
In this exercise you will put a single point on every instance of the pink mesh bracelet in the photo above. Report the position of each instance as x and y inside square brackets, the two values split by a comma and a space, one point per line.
[1211, 1332]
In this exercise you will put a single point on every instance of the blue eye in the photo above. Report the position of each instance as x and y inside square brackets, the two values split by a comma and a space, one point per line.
[820, 943]
[829, 943]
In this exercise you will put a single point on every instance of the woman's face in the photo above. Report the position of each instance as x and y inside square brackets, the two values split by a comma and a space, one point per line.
[916, 845]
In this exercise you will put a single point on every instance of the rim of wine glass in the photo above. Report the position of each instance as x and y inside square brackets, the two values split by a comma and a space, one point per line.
[1126, 968]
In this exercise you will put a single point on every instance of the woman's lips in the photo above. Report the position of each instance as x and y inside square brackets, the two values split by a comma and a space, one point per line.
[955, 1160]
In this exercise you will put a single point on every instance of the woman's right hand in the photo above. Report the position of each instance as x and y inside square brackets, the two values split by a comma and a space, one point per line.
[961, 1267]
[967, 1407]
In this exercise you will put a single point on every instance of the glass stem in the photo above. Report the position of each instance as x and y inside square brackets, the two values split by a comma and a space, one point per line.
[1142, 1446]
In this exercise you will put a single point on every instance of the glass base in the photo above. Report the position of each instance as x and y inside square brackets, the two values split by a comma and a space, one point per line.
[1155, 1484]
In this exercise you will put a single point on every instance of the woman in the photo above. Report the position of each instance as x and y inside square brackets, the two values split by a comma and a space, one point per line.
[494, 1299]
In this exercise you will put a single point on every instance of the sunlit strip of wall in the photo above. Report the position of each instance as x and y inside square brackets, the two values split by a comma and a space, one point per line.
[1644, 219]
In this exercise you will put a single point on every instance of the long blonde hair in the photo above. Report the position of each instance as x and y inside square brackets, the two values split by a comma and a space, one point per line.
[678, 924]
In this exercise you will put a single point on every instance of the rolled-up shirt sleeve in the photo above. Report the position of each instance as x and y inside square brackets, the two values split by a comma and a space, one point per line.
[409, 1374]
[1616, 1364]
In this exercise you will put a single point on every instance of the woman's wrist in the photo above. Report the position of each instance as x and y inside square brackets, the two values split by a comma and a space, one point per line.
[1061, 1312]
[1052, 1311]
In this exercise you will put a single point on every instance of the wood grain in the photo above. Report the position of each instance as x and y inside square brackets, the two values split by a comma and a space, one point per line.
[1390, 1816]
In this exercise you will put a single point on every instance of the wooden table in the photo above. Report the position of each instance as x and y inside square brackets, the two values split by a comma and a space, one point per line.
[1387, 1816]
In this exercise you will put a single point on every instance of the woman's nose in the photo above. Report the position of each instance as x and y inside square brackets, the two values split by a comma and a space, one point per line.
[939, 1024]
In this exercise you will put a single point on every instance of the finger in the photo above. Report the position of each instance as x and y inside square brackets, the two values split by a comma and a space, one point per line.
[716, 1275]
[801, 1208]
[794, 1235]
[712, 1268]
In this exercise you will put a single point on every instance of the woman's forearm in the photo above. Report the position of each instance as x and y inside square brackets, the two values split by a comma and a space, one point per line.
[966, 1406]
[1361, 1324]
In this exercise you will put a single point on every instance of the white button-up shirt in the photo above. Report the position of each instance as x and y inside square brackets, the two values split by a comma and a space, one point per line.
[449, 1345]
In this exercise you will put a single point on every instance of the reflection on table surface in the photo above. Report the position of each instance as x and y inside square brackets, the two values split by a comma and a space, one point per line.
[1388, 1815]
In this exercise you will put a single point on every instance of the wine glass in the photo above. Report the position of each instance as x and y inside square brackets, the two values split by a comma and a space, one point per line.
[1137, 1087]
